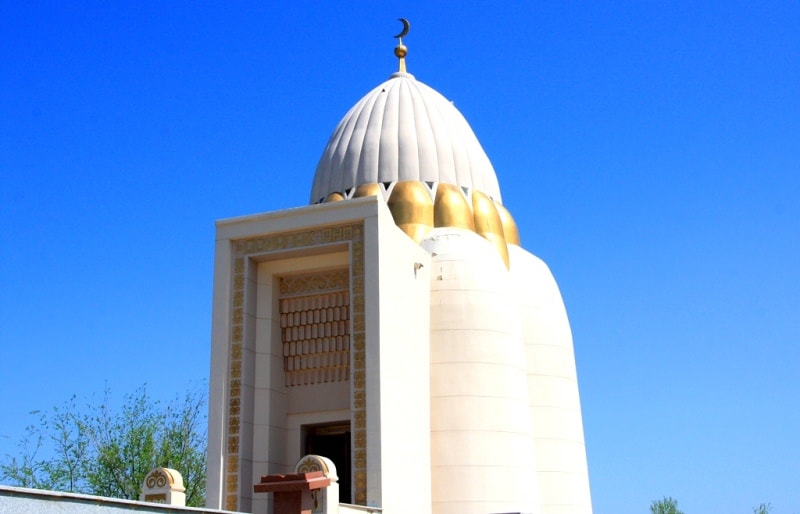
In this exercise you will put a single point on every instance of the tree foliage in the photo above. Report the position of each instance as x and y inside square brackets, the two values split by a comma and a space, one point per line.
[764, 508]
[667, 505]
[107, 452]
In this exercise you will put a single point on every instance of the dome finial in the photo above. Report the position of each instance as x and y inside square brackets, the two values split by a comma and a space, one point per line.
[400, 50]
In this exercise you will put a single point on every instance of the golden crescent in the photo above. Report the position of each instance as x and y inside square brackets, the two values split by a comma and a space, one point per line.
[406, 26]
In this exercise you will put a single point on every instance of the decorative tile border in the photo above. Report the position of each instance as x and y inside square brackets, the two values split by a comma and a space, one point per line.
[312, 283]
[265, 245]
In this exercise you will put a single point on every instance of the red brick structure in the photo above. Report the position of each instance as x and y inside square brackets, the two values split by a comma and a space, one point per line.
[293, 492]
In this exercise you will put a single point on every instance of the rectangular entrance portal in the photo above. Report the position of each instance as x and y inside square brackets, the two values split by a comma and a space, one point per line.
[332, 440]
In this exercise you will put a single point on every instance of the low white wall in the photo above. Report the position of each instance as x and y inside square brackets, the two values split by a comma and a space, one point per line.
[346, 508]
[19, 499]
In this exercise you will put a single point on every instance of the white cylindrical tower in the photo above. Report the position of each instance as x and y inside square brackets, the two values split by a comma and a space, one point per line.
[552, 386]
[482, 454]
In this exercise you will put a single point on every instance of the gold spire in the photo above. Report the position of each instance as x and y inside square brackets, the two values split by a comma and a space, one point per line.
[400, 50]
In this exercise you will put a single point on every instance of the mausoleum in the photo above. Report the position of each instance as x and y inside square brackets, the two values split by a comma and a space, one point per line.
[396, 326]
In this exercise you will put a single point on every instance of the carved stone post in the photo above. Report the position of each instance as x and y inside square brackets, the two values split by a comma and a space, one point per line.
[326, 501]
[163, 485]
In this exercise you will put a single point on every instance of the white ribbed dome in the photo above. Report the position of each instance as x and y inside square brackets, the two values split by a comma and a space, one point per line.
[403, 130]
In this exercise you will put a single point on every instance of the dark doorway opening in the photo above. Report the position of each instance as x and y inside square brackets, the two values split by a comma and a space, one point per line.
[332, 440]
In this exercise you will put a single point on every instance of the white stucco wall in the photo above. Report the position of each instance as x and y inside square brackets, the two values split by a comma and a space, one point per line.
[398, 363]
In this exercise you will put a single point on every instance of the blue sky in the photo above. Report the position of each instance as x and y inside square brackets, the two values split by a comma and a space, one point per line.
[650, 152]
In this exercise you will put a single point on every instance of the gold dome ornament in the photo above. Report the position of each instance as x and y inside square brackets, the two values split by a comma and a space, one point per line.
[400, 51]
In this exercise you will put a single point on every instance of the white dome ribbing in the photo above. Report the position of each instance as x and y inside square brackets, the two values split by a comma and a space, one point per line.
[403, 130]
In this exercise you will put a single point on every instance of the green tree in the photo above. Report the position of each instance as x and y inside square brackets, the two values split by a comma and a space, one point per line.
[764, 508]
[107, 452]
[667, 505]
